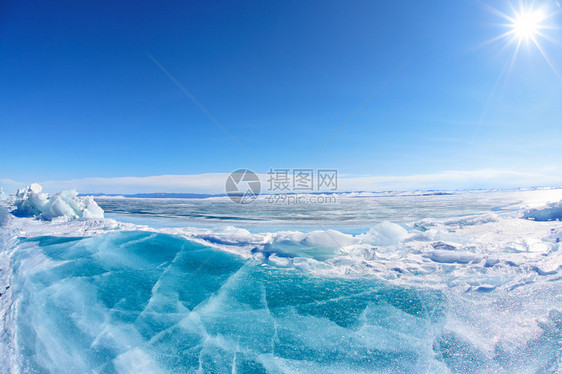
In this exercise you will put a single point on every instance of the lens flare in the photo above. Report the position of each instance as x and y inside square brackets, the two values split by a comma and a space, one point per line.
[527, 24]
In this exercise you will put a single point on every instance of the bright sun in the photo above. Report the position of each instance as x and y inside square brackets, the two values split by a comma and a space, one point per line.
[527, 24]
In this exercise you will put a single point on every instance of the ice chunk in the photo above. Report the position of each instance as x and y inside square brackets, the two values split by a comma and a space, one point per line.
[551, 212]
[449, 257]
[328, 239]
[32, 202]
[319, 244]
[385, 233]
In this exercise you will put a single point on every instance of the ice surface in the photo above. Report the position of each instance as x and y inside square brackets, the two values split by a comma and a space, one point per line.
[434, 292]
[364, 209]
[143, 301]
[32, 202]
[149, 302]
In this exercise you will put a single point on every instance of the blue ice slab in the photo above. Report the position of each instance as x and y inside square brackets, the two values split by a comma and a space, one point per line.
[147, 302]
[165, 303]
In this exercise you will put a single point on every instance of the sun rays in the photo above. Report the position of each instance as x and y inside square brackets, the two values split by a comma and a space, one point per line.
[528, 25]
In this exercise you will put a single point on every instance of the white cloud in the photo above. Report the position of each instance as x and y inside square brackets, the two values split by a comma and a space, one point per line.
[198, 183]
[453, 179]
[213, 183]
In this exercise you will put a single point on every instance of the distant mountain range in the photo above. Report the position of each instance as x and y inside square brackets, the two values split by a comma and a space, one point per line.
[165, 195]
[180, 195]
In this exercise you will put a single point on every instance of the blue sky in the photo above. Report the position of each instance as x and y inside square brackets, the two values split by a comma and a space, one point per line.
[80, 97]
